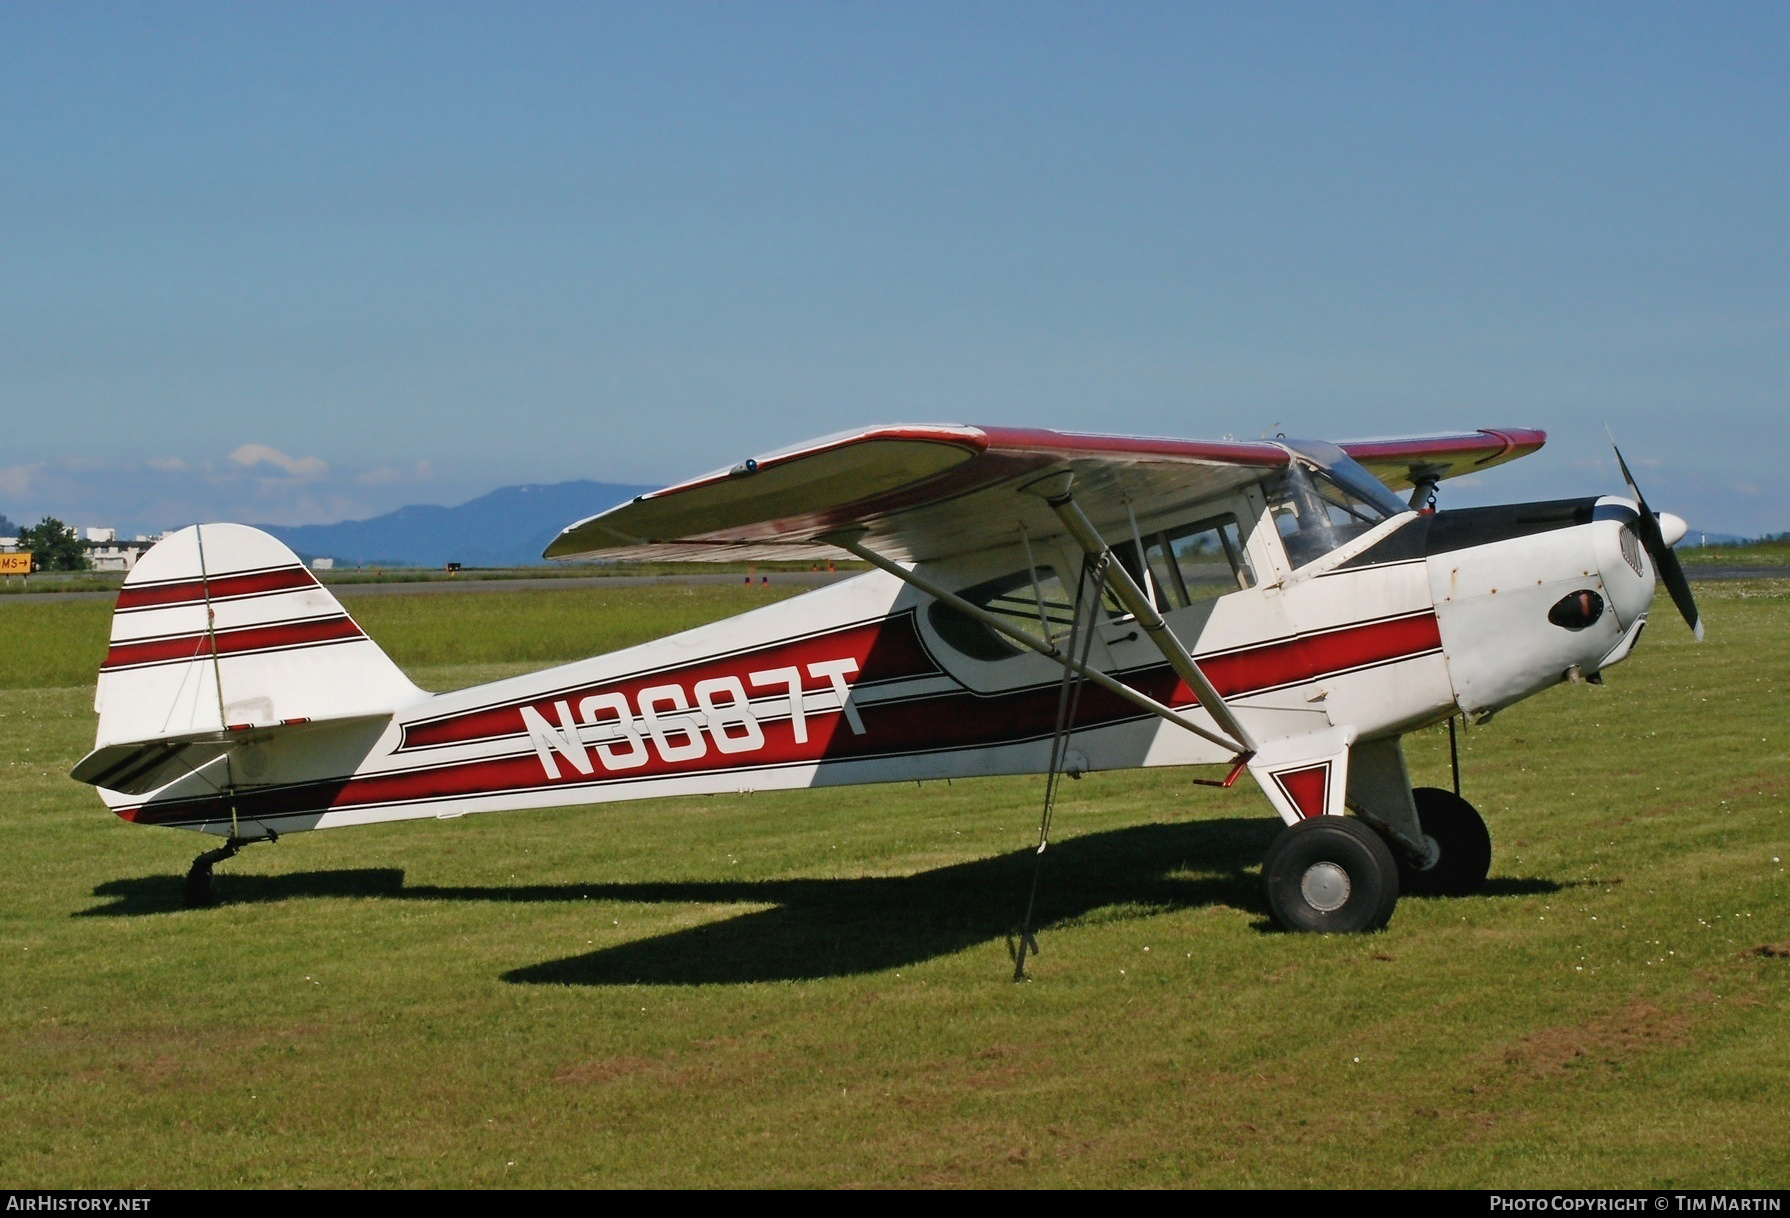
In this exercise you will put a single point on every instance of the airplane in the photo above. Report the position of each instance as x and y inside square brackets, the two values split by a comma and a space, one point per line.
[1037, 602]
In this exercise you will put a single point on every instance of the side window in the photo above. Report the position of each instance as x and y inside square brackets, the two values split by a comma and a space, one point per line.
[1208, 559]
[1192, 563]
[1042, 606]
[1196, 562]
[1038, 606]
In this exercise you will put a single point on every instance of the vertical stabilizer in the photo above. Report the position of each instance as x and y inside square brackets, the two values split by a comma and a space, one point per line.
[220, 626]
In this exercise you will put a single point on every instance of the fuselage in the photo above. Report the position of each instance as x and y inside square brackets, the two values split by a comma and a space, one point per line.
[1304, 617]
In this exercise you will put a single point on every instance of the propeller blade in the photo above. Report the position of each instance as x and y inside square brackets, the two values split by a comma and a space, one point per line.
[1665, 561]
[1680, 588]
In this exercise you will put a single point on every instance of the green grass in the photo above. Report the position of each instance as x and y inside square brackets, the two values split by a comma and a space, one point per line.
[49, 644]
[1762, 553]
[580, 570]
[111, 581]
[536, 627]
[812, 988]
[53, 643]
[61, 581]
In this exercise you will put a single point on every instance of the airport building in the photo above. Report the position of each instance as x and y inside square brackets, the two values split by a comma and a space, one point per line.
[105, 551]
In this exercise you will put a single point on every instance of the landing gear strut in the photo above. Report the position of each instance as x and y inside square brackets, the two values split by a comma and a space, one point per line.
[1330, 873]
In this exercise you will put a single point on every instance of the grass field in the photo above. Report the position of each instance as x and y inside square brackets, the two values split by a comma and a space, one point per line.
[813, 989]
[1762, 553]
[111, 581]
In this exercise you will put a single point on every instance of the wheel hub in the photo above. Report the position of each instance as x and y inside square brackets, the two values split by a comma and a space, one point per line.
[1432, 852]
[1325, 887]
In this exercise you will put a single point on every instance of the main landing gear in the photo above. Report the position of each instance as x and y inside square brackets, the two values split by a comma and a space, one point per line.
[1334, 873]
[1330, 873]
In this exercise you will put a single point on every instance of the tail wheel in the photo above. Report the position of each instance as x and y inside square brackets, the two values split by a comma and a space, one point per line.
[1460, 855]
[1330, 873]
[196, 892]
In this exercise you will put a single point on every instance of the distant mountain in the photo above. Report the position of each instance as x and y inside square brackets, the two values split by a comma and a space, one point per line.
[507, 528]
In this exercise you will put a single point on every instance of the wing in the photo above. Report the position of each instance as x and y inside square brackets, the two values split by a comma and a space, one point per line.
[927, 492]
[1402, 463]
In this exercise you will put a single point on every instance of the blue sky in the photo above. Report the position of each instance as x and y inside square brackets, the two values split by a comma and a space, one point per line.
[307, 262]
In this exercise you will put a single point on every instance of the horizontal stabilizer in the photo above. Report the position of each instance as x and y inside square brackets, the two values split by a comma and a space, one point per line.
[140, 766]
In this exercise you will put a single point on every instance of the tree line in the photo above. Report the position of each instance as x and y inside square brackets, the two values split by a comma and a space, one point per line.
[53, 545]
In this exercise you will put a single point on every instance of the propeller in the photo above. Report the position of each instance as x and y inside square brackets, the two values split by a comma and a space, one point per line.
[1660, 550]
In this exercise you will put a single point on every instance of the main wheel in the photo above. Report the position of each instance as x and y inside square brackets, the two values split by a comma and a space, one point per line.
[1330, 873]
[1460, 848]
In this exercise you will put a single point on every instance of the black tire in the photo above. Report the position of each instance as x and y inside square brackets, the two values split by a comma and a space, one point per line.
[1463, 847]
[1330, 873]
[197, 892]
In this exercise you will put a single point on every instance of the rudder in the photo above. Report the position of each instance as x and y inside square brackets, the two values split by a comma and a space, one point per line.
[221, 627]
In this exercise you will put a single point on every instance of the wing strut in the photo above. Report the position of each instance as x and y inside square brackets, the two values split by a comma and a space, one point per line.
[1056, 491]
[851, 543]
[1081, 638]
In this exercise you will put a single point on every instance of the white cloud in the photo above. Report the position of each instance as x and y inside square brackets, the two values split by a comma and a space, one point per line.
[262, 454]
[167, 465]
[15, 480]
[385, 475]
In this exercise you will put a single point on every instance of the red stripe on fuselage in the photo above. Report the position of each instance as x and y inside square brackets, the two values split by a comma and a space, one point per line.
[1309, 656]
[885, 649]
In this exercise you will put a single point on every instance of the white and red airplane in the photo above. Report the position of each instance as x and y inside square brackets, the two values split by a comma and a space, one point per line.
[1041, 602]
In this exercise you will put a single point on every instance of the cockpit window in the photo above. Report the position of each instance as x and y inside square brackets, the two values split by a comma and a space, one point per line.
[1318, 510]
[1187, 564]
[1349, 475]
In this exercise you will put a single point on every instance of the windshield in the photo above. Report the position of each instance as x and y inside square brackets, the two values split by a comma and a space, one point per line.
[1316, 510]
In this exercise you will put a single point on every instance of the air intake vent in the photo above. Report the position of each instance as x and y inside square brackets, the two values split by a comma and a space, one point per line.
[1577, 610]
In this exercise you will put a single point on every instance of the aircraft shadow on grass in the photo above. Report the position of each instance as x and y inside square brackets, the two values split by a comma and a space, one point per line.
[819, 928]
